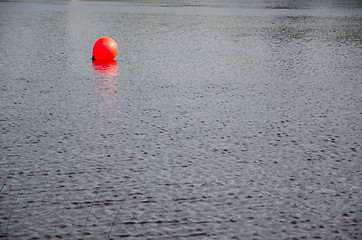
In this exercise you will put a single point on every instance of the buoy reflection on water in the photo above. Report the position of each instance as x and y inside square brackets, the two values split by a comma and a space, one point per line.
[106, 73]
[105, 68]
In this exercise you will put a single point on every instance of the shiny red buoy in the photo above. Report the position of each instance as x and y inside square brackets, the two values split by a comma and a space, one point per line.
[105, 48]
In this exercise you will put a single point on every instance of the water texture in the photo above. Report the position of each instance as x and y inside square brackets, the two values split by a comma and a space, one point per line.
[217, 120]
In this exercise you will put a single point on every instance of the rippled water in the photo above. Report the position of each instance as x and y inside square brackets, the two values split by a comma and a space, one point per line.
[217, 120]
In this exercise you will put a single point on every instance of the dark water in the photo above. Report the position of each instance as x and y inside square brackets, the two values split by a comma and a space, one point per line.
[218, 120]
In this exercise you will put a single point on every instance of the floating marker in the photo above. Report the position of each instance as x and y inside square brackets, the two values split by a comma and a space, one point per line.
[105, 48]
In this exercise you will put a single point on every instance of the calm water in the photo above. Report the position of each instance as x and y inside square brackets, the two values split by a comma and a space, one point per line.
[218, 120]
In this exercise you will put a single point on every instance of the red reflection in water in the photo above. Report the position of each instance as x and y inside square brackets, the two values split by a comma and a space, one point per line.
[105, 68]
[106, 72]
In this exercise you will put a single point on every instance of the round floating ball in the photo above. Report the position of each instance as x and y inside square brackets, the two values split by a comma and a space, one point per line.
[105, 48]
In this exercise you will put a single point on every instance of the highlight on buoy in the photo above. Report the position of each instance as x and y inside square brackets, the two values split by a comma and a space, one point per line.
[105, 48]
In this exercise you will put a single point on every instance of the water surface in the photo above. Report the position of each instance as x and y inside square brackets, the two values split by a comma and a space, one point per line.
[217, 120]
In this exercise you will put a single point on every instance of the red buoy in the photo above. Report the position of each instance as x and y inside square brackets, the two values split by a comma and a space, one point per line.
[105, 48]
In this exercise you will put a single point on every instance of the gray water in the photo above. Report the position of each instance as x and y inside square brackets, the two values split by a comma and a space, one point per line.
[218, 120]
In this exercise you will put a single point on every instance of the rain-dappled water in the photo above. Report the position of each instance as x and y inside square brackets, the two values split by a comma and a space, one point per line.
[217, 120]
